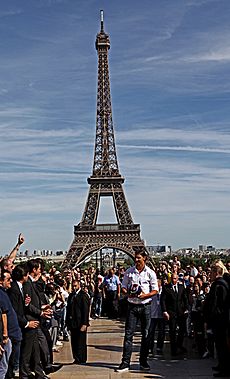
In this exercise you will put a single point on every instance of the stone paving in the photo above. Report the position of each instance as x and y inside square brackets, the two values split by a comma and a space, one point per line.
[105, 339]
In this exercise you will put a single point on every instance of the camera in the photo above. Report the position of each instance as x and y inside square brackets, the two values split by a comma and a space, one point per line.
[135, 290]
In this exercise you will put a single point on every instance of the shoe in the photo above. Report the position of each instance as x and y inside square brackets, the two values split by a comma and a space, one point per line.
[144, 366]
[123, 367]
[59, 343]
[53, 368]
[221, 374]
[48, 369]
[57, 366]
[77, 362]
[16, 373]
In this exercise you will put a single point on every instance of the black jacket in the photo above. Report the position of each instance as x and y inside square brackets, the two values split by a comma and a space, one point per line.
[174, 303]
[18, 304]
[77, 313]
[33, 310]
[216, 306]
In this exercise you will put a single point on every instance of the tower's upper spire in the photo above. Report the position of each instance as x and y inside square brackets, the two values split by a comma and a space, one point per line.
[102, 21]
[102, 40]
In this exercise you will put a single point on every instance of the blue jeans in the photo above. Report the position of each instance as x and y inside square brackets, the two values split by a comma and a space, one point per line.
[13, 364]
[97, 304]
[136, 312]
[5, 358]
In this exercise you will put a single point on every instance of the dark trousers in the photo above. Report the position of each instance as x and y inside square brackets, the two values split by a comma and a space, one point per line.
[44, 348]
[199, 332]
[30, 355]
[160, 323]
[135, 313]
[78, 345]
[222, 348]
[176, 336]
[111, 304]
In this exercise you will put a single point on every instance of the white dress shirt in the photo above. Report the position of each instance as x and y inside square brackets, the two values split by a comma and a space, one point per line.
[146, 279]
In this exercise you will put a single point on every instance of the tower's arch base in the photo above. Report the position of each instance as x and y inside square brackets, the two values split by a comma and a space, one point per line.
[89, 239]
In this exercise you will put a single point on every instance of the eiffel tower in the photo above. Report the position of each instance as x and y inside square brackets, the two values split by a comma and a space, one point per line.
[104, 181]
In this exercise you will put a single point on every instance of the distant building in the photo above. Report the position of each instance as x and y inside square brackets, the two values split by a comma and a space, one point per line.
[202, 248]
[159, 249]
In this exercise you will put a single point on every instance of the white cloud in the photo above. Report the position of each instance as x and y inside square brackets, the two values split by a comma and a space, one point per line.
[202, 137]
[178, 148]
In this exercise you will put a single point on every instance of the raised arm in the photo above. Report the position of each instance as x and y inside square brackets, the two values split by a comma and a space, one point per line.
[13, 253]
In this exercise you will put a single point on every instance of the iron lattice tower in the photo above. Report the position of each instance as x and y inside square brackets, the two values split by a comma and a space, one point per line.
[105, 180]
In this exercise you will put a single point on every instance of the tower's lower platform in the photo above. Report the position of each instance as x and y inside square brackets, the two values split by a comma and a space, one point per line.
[88, 239]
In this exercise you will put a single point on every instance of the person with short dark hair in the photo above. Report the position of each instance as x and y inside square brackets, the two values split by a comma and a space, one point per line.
[174, 303]
[140, 285]
[33, 312]
[14, 331]
[77, 321]
[15, 293]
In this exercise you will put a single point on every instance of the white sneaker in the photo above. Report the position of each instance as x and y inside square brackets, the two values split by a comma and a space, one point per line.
[59, 343]
[122, 368]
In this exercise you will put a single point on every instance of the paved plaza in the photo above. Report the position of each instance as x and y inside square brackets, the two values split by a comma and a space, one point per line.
[105, 338]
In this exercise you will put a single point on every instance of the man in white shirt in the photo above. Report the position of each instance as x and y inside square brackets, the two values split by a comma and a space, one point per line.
[140, 284]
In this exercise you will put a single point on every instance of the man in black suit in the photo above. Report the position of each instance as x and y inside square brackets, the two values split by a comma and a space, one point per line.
[77, 321]
[174, 303]
[33, 312]
[15, 293]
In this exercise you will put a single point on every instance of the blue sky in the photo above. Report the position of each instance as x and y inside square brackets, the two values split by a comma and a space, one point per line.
[169, 72]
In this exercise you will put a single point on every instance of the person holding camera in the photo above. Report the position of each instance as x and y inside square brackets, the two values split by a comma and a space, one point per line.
[140, 285]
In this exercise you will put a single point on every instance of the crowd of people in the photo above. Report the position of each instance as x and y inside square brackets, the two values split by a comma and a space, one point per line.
[40, 308]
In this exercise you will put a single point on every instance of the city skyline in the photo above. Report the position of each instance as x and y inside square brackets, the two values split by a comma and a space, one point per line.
[169, 74]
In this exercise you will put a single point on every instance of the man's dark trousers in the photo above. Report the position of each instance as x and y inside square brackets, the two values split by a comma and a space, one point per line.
[136, 312]
[78, 344]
